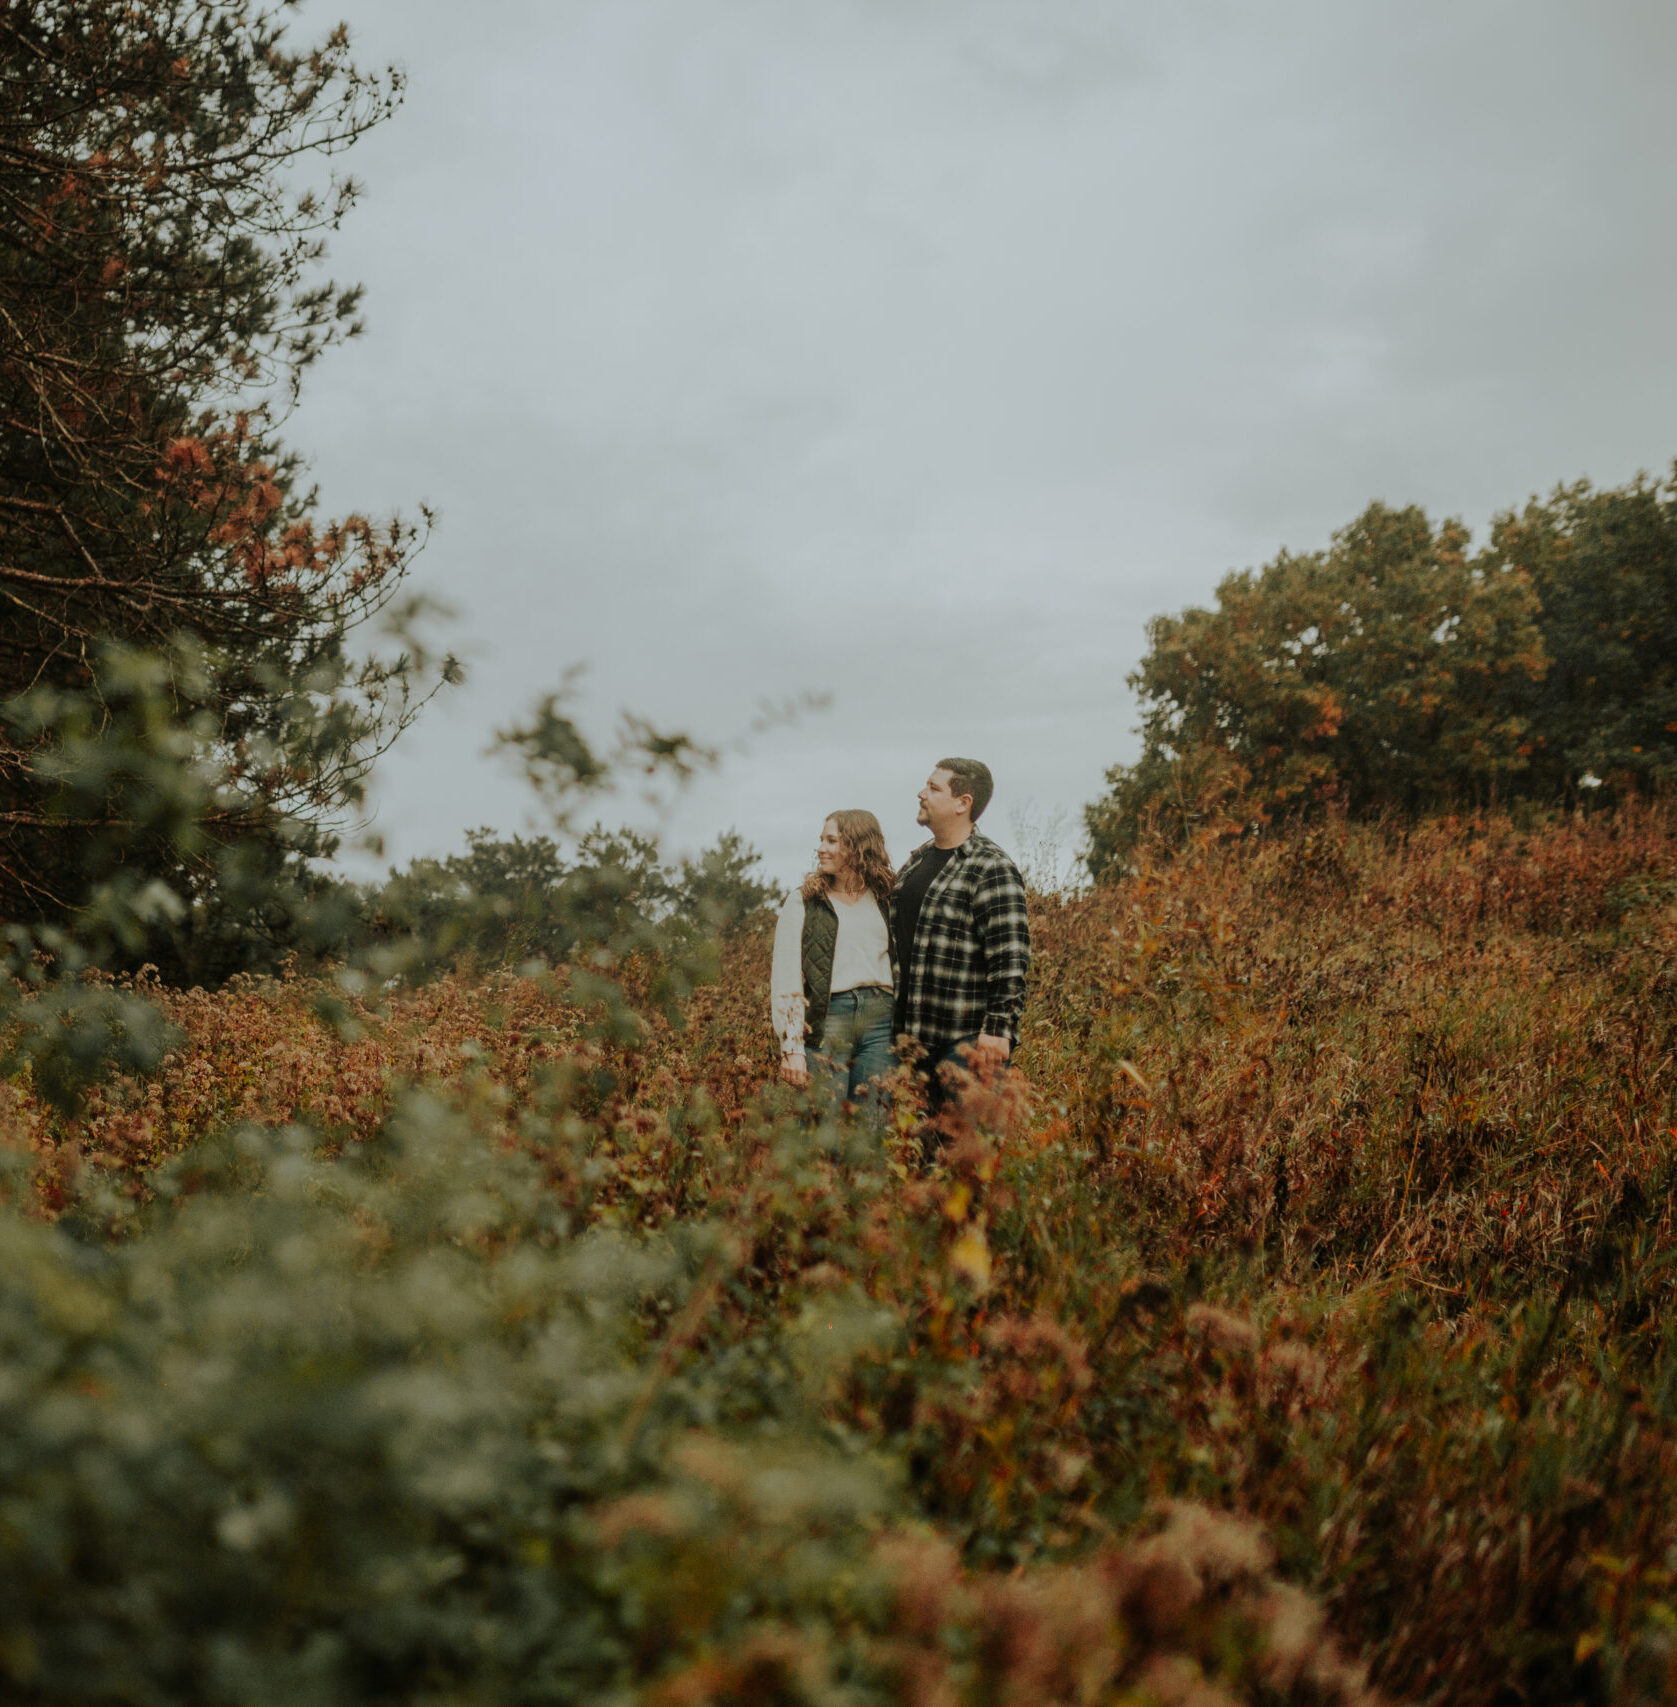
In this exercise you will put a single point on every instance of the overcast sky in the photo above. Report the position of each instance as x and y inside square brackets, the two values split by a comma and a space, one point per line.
[918, 351]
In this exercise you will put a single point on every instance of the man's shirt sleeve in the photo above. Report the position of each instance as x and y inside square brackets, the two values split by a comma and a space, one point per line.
[1004, 929]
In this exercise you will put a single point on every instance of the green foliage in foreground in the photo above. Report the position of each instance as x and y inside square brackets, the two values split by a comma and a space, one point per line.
[344, 1431]
[405, 1426]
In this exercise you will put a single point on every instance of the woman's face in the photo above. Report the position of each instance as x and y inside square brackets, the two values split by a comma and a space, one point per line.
[830, 856]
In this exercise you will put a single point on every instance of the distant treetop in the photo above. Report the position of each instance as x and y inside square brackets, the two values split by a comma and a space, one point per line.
[1399, 671]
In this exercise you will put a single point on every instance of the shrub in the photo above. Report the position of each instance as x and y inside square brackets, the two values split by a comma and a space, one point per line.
[1322, 1242]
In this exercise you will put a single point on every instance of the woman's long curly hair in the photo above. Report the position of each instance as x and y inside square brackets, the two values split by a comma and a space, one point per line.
[864, 845]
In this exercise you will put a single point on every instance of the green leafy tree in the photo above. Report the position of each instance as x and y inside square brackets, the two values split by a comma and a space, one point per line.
[724, 887]
[507, 900]
[1604, 565]
[1390, 671]
[158, 307]
[494, 900]
[515, 899]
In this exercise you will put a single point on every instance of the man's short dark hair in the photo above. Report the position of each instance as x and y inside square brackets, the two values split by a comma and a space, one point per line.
[969, 776]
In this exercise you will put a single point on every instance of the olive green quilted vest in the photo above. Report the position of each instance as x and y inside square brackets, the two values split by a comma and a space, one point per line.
[820, 943]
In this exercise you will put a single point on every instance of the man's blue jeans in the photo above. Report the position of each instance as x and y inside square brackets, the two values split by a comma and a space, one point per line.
[939, 1093]
[854, 1054]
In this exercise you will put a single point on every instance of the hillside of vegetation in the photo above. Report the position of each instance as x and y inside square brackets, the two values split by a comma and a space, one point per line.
[1294, 1325]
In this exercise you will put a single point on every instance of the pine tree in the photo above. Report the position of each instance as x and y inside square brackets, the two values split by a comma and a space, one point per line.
[159, 305]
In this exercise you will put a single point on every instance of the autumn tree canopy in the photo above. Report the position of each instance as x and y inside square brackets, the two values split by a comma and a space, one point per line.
[159, 304]
[1401, 671]
[1603, 566]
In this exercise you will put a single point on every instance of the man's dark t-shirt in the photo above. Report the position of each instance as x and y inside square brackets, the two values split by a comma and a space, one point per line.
[910, 896]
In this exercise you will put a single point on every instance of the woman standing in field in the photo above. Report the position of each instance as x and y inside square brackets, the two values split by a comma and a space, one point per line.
[830, 989]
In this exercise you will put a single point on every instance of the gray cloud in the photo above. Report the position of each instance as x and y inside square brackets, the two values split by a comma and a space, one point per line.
[919, 352]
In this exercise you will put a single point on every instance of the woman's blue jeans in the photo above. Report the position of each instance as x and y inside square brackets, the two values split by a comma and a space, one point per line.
[854, 1054]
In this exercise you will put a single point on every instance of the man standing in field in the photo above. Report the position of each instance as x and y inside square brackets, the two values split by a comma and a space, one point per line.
[963, 941]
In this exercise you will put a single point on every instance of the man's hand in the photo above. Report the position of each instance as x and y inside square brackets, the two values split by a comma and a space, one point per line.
[989, 1054]
[794, 1069]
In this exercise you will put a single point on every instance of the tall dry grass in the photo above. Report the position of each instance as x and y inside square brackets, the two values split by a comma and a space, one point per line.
[1333, 1193]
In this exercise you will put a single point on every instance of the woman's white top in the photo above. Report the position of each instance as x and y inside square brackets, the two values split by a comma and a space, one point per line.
[861, 958]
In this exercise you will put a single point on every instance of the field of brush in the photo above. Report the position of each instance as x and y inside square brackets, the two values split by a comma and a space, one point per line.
[1294, 1324]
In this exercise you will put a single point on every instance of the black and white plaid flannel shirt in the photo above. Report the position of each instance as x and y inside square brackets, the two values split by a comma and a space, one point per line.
[972, 949]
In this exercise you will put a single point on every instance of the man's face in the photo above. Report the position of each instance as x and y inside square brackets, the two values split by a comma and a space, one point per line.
[940, 808]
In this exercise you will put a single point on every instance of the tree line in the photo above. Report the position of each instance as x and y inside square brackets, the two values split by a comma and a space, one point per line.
[1401, 671]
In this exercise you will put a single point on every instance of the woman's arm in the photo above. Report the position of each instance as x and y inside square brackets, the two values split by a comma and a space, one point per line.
[786, 989]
